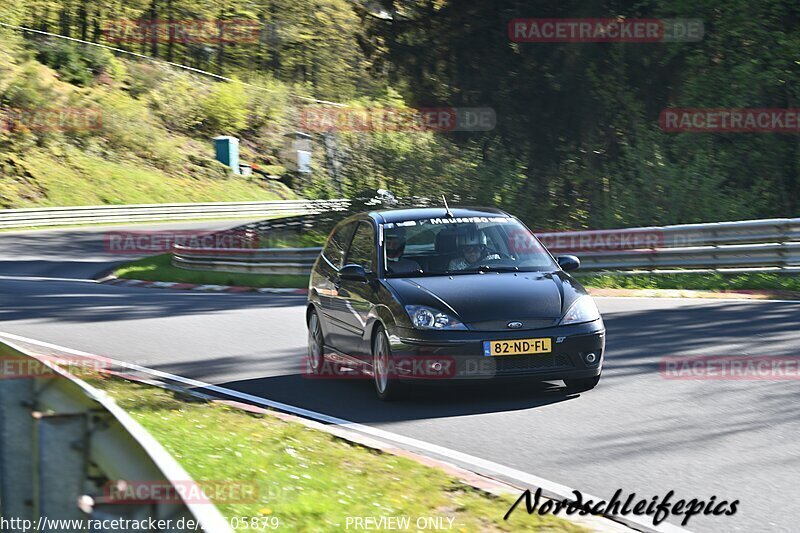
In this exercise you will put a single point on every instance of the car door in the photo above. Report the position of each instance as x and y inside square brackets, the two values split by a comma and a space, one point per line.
[327, 285]
[357, 297]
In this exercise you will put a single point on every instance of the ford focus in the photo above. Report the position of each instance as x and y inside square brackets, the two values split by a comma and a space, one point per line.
[435, 294]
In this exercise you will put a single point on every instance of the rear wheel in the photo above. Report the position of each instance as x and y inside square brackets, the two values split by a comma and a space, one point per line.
[581, 385]
[315, 343]
[387, 386]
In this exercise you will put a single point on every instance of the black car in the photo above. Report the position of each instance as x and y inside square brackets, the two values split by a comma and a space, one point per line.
[440, 294]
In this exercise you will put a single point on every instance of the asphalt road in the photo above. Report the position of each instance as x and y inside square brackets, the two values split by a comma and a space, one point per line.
[637, 431]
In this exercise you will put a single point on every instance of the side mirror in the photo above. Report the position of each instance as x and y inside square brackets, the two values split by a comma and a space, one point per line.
[353, 273]
[568, 262]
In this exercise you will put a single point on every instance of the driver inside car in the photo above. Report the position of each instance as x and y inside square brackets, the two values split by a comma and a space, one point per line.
[472, 246]
[395, 244]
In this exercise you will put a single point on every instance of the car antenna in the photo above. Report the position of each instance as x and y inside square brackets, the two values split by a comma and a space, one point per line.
[447, 207]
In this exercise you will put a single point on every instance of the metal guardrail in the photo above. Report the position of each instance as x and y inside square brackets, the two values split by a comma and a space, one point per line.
[677, 236]
[61, 440]
[246, 260]
[747, 256]
[768, 244]
[57, 216]
[772, 244]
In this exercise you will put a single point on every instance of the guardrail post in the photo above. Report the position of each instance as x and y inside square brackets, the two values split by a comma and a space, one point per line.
[60, 452]
[784, 230]
[16, 434]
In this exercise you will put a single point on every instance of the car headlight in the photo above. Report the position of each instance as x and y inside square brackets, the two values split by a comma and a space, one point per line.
[582, 310]
[429, 318]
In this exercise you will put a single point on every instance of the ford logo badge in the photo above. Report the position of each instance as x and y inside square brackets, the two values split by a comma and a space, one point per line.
[515, 325]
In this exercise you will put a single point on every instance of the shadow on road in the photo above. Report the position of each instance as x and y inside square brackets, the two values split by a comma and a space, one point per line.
[81, 301]
[638, 340]
[355, 400]
[636, 343]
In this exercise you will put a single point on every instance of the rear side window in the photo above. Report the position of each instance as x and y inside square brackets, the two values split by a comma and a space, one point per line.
[362, 250]
[336, 248]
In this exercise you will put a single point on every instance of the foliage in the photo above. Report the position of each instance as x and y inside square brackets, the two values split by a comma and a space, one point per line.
[224, 109]
[177, 103]
[581, 120]
[75, 63]
[577, 142]
[116, 145]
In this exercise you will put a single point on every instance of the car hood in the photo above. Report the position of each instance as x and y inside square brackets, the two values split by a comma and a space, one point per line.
[489, 301]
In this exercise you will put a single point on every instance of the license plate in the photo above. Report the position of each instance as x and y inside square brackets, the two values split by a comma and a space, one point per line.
[517, 347]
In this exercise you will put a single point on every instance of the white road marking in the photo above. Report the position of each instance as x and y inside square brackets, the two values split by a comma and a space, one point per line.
[40, 278]
[705, 300]
[550, 489]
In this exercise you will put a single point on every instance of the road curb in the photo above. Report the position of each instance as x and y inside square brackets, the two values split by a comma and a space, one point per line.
[480, 482]
[176, 285]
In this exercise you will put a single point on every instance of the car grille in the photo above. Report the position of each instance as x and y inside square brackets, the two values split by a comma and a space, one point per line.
[511, 364]
[502, 325]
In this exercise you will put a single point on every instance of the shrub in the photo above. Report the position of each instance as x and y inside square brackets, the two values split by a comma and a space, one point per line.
[66, 59]
[176, 103]
[225, 109]
[29, 89]
[128, 126]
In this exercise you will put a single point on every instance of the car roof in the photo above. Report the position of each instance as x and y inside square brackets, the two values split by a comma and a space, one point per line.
[415, 213]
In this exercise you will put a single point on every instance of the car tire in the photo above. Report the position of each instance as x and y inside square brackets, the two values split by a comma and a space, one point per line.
[387, 388]
[581, 385]
[316, 353]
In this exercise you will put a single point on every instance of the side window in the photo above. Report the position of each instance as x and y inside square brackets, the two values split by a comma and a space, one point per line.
[337, 245]
[362, 250]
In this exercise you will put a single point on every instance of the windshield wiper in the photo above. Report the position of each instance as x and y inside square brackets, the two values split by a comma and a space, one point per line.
[495, 268]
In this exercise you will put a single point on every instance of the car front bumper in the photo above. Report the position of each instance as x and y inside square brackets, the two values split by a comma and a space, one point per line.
[460, 354]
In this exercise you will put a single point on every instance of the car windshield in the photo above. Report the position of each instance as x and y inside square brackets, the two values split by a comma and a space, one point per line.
[461, 245]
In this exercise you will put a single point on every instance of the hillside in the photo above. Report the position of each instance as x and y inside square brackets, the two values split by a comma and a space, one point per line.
[83, 127]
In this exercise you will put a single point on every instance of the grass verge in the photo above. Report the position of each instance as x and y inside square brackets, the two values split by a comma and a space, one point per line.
[160, 268]
[307, 479]
[136, 223]
[751, 281]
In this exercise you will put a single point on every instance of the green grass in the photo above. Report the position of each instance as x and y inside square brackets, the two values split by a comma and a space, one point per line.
[128, 223]
[160, 268]
[307, 479]
[695, 281]
[306, 239]
[75, 178]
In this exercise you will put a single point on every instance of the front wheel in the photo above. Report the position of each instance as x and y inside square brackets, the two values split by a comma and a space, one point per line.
[387, 386]
[316, 357]
[581, 385]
